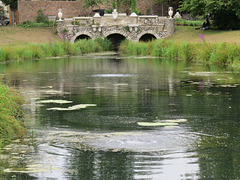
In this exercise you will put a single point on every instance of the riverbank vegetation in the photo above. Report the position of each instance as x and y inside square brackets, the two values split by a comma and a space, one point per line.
[11, 125]
[53, 49]
[213, 53]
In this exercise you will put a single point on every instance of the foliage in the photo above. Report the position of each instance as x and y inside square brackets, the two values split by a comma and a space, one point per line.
[41, 17]
[11, 125]
[105, 44]
[91, 3]
[41, 21]
[116, 4]
[13, 4]
[53, 48]
[184, 22]
[225, 14]
[218, 53]
[30, 24]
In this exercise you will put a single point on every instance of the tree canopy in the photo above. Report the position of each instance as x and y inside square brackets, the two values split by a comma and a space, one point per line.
[225, 14]
[111, 4]
[13, 3]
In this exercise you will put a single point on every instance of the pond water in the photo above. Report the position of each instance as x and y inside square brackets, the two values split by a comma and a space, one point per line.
[124, 127]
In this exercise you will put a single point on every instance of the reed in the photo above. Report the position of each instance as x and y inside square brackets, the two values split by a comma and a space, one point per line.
[11, 126]
[2, 55]
[213, 53]
[54, 48]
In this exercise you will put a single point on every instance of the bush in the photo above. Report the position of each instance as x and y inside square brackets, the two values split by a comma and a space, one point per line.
[41, 17]
[104, 44]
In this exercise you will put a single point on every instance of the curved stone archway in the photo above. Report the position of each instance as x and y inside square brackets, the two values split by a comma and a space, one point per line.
[81, 35]
[116, 31]
[147, 37]
[116, 39]
[149, 32]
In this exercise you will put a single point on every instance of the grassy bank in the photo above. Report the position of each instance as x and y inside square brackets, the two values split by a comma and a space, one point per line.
[11, 126]
[189, 34]
[53, 48]
[213, 53]
[20, 36]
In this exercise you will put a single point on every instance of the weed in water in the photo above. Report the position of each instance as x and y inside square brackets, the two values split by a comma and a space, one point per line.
[2, 55]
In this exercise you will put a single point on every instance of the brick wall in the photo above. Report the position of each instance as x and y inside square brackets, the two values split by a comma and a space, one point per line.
[28, 9]
[144, 6]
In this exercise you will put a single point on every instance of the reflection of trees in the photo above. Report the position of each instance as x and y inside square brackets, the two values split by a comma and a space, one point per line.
[153, 91]
[101, 165]
[214, 113]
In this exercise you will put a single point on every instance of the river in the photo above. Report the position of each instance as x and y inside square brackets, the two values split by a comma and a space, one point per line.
[111, 117]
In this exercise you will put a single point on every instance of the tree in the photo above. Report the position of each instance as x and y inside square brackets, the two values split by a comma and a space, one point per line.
[13, 4]
[91, 3]
[115, 4]
[225, 14]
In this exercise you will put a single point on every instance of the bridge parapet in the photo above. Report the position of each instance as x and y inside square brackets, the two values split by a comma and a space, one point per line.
[132, 27]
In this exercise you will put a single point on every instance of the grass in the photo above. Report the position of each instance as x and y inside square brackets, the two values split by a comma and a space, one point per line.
[54, 48]
[11, 126]
[189, 34]
[20, 36]
[212, 53]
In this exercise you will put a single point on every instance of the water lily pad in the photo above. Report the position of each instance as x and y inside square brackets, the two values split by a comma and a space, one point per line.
[71, 108]
[157, 124]
[172, 121]
[81, 106]
[59, 109]
[54, 101]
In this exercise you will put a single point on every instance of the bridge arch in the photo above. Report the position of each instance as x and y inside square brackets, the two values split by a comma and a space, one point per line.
[148, 34]
[116, 38]
[81, 35]
[116, 31]
[147, 37]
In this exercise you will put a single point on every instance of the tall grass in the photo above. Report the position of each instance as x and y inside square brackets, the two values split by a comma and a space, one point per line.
[214, 53]
[134, 48]
[11, 125]
[52, 49]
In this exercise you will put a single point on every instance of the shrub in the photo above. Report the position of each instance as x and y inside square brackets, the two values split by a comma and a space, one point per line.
[104, 44]
[41, 17]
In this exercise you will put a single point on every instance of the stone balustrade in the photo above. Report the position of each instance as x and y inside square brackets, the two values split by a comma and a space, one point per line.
[132, 27]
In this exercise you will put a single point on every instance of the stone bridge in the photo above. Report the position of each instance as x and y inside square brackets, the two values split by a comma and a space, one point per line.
[116, 27]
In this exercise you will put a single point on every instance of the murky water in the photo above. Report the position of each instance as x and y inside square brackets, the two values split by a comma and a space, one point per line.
[103, 138]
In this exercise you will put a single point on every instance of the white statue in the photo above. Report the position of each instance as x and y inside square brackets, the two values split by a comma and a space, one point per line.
[60, 14]
[170, 12]
[177, 15]
[115, 14]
